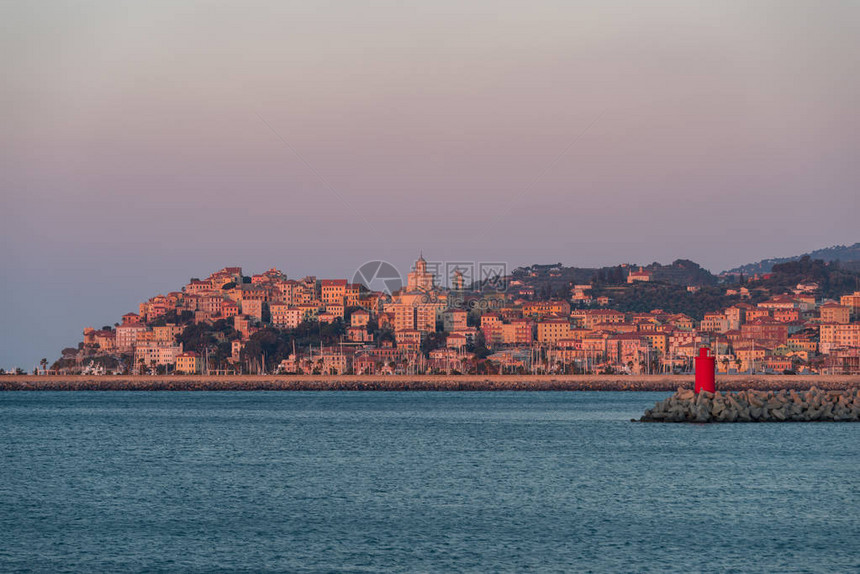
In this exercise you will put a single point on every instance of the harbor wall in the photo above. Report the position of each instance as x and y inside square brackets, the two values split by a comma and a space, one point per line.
[667, 383]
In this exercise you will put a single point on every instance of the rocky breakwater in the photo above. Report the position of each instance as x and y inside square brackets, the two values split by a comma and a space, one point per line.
[757, 406]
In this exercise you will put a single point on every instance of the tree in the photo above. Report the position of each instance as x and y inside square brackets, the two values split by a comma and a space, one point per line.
[44, 364]
[479, 347]
[432, 342]
[196, 337]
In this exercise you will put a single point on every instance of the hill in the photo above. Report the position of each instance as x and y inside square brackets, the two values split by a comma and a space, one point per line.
[833, 279]
[849, 256]
[555, 280]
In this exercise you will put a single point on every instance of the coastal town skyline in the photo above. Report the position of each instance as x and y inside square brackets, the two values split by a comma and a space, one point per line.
[800, 316]
[26, 353]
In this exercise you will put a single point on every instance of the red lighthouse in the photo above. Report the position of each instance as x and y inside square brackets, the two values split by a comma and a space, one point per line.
[706, 367]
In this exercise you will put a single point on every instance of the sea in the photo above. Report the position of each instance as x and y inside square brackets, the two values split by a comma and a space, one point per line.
[415, 482]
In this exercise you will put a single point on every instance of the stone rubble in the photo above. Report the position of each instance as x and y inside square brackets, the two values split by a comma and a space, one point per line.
[757, 406]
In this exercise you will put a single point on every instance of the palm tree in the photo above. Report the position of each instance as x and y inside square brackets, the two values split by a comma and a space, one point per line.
[44, 364]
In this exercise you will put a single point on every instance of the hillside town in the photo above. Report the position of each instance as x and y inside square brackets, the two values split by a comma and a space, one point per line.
[230, 323]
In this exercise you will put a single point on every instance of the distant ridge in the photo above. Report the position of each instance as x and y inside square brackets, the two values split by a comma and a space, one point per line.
[845, 254]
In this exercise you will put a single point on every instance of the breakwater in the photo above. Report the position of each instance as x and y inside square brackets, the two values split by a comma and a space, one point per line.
[758, 406]
[661, 383]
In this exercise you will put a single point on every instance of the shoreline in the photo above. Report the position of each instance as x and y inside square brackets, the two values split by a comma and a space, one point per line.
[658, 383]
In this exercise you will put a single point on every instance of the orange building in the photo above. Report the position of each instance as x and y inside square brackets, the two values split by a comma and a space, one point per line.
[766, 330]
[409, 340]
[126, 335]
[837, 336]
[333, 291]
[189, 363]
[540, 309]
[454, 320]
[640, 275]
[786, 315]
[852, 302]
[833, 313]
[359, 318]
[285, 316]
[551, 331]
[657, 341]
[352, 295]
[589, 318]
[491, 327]
[517, 332]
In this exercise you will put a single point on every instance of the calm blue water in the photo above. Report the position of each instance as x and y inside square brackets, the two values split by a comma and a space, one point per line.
[415, 482]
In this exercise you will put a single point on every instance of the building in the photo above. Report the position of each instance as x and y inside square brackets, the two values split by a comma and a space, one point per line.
[541, 309]
[765, 330]
[358, 334]
[151, 353]
[126, 335]
[736, 315]
[756, 313]
[229, 308]
[236, 351]
[640, 275]
[253, 308]
[415, 311]
[491, 327]
[787, 315]
[327, 317]
[454, 320]
[590, 318]
[834, 313]
[189, 363]
[409, 340]
[352, 295]
[420, 279]
[359, 318]
[166, 334]
[517, 332]
[805, 343]
[333, 291]
[780, 302]
[456, 341]
[852, 302]
[715, 323]
[551, 331]
[334, 363]
[658, 341]
[242, 324]
[838, 336]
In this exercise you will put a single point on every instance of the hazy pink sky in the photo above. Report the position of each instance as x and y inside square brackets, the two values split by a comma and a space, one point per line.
[146, 142]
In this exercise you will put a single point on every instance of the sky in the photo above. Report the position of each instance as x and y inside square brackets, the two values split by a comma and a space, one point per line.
[144, 143]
